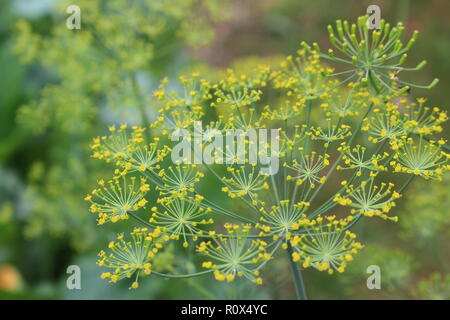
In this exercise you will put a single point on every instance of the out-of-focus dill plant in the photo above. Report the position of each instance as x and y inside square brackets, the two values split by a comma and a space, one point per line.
[426, 214]
[94, 75]
[435, 287]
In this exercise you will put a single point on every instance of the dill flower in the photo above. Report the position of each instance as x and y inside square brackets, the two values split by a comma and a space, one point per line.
[369, 199]
[375, 54]
[287, 111]
[283, 219]
[304, 75]
[386, 125]
[181, 217]
[242, 121]
[425, 159]
[308, 168]
[237, 91]
[115, 199]
[355, 159]
[98, 74]
[128, 258]
[244, 181]
[326, 245]
[419, 118]
[128, 149]
[348, 103]
[234, 255]
[179, 180]
[241, 98]
[196, 92]
[331, 133]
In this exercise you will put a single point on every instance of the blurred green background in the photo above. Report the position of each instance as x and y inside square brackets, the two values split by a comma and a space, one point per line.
[45, 168]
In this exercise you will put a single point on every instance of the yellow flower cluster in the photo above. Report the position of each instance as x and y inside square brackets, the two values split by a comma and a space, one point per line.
[326, 244]
[128, 258]
[115, 199]
[369, 199]
[234, 254]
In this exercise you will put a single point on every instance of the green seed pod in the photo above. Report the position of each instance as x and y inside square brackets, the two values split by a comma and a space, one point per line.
[403, 58]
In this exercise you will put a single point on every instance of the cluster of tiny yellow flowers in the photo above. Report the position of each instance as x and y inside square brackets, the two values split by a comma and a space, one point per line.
[368, 199]
[234, 254]
[244, 181]
[128, 151]
[325, 245]
[349, 136]
[115, 199]
[128, 258]
[425, 159]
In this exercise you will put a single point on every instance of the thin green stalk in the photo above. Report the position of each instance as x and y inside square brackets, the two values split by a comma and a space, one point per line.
[274, 185]
[308, 122]
[201, 290]
[297, 276]
[191, 282]
[182, 276]
[410, 179]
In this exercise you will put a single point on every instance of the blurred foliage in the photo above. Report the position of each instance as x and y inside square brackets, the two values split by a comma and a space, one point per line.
[436, 287]
[91, 75]
[97, 66]
[425, 217]
[42, 154]
[396, 265]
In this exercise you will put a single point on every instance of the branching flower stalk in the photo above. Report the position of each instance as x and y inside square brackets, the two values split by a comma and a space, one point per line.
[344, 138]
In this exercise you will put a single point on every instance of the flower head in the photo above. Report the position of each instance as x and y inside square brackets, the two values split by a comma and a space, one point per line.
[234, 255]
[179, 180]
[283, 218]
[355, 159]
[325, 244]
[128, 258]
[422, 158]
[378, 54]
[308, 168]
[369, 199]
[115, 199]
[181, 217]
[244, 181]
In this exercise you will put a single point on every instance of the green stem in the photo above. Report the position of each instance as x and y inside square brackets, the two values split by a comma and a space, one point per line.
[372, 82]
[297, 276]
[308, 122]
[410, 179]
[205, 293]
[191, 282]
[181, 276]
